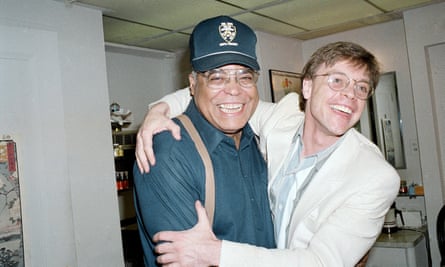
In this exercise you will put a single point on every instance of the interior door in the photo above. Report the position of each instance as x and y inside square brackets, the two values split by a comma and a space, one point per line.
[31, 113]
[436, 60]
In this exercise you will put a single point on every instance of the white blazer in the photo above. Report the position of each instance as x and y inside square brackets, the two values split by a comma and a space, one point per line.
[341, 212]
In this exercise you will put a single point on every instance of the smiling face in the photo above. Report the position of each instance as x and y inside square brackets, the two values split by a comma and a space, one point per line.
[329, 113]
[228, 108]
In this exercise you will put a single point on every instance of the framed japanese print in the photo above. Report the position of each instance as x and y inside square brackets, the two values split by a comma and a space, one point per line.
[11, 234]
[283, 82]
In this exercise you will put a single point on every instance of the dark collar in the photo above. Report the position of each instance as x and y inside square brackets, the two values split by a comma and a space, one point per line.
[211, 136]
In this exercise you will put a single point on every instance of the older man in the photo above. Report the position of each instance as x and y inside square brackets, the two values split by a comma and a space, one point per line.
[224, 97]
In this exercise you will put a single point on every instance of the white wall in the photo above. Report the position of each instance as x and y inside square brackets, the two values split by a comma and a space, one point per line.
[55, 105]
[137, 77]
[278, 53]
[425, 27]
[436, 71]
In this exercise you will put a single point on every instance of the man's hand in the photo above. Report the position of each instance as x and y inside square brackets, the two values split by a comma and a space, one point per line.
[197, 246]
[156, 120]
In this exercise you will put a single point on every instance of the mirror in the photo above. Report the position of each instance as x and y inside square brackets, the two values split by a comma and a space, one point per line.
[386, 122]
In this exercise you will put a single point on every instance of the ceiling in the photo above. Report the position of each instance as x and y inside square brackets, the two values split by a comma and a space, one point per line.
[166, 24]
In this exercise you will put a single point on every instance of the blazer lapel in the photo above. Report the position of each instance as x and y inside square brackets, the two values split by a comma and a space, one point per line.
[325, 183]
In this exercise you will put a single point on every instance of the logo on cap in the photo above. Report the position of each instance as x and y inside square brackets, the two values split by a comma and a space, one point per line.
[227, 31]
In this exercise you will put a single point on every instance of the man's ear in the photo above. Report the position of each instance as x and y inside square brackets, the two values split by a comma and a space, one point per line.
[192, 83]
[307, 88]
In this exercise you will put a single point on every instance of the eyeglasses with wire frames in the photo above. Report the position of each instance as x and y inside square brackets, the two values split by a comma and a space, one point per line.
[338, 81]
[217, 78]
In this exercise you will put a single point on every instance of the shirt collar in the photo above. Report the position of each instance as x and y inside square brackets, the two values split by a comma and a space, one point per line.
[211, 136]
[320, 156]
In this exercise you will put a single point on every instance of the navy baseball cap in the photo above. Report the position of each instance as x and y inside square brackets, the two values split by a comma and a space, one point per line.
[220, 41]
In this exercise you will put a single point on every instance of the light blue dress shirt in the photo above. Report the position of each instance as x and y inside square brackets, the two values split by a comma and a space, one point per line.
[293, 178]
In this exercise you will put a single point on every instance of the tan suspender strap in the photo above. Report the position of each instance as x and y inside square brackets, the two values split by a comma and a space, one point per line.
[210, 180]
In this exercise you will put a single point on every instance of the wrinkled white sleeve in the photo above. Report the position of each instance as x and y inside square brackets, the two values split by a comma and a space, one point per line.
[272, 121]
[260, 115]
[264, 119]
[177, 101]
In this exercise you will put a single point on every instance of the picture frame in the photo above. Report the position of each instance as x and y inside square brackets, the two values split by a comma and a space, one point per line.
[283, 82]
